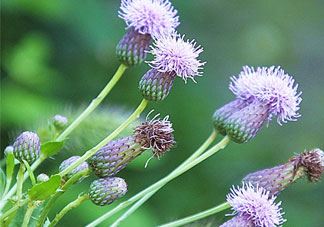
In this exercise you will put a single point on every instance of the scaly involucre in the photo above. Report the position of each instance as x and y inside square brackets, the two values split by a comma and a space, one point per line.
[255, 205]
[270, 86]
[173, 54]
[154, 17]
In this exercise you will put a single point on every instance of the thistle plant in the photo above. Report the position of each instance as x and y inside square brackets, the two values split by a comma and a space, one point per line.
[261, 94]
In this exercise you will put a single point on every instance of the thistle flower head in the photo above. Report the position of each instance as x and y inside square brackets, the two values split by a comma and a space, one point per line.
[106, 190]
[27, 147]
[156, 134]
[255, 205]
[60, 122]
[66, 163]
[270, 86]
[154, 17]
[42, 177]
[173, 54]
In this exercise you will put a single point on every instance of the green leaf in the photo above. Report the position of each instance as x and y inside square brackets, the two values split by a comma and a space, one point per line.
[44, 190]
[51, 148]
[2, 181]
[10, 165]
[30, 172]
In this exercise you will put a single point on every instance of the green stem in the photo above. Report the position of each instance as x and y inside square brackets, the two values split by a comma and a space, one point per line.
[69, 207]
[94, 103]
[53, 199]
[11, 210]
[20, 181]
[115, 133]
[156, 185]
[13, 190]
[28, 214]
[198, 216]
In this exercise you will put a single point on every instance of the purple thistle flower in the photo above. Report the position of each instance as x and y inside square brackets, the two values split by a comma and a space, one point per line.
[104, 191]
[271, 87]
[175, 55]
[155, 134]
[276, 179]
[27, 147]
[238, 221]
[261, 94]
[255, 206]
[153, 17]
[66, 163]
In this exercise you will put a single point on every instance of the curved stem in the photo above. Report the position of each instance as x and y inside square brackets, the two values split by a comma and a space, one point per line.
[20, 181]
[53, 199]
[115, 133]
[198, 216]
[94, 103]
[28, 214]
[11, 210]
[156, 185]
[69, 207]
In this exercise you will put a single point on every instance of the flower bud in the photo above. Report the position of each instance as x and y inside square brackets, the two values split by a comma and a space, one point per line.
[156, 134]
[106, 190]
[132, 48]
[276, 179]
[27, 147]
[42, 177]
[60, 122]
[8, 150]
[155, 85]
[66, 163]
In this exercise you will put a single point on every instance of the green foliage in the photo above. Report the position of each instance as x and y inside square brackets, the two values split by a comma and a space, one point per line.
[2, 181]
[51, 148]
[44, 190]
[10, 165]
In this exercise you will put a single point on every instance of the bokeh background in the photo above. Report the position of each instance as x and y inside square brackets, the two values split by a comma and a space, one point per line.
[57, 55]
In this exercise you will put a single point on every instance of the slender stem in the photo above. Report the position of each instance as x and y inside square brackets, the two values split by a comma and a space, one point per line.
[115, 133]
[13, 190]
[69, 207]
[94, 103]
[160, 183]
[198, 216]
[174, 174]
[11, 210]
[20, 181]
[28, 214]
[53, 199]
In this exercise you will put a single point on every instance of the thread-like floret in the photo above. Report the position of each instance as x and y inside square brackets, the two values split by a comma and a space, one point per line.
[272, 87]
[255, 204]
[173, 54]
[156, 134]
[154, 17]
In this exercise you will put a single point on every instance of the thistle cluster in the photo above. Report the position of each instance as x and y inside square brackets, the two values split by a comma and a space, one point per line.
[27, 147]
[155, 134]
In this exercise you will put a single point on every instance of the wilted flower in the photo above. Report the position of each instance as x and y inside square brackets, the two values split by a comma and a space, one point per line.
[27, 147]
[276, 179]
[106, 190]
[145, 19]
[66, 163]
[173, 56]
[155, 134]
[60, 122]
[261, 94]
[253, 207]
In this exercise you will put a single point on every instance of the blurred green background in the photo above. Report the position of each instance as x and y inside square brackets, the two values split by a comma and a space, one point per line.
[57, 55]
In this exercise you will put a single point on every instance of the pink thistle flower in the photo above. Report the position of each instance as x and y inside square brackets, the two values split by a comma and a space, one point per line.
[255, 205]
[175, 55]
[153, 17]
[270, 86]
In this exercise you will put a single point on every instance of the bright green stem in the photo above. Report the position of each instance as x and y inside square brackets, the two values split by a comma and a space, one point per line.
[115, 133]
[28, 214]
[94, 103]
[53, 199]
[198, 216]
[13, 190]
[20, 181]
[69, 207]
[11, 210]
[148, 192]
